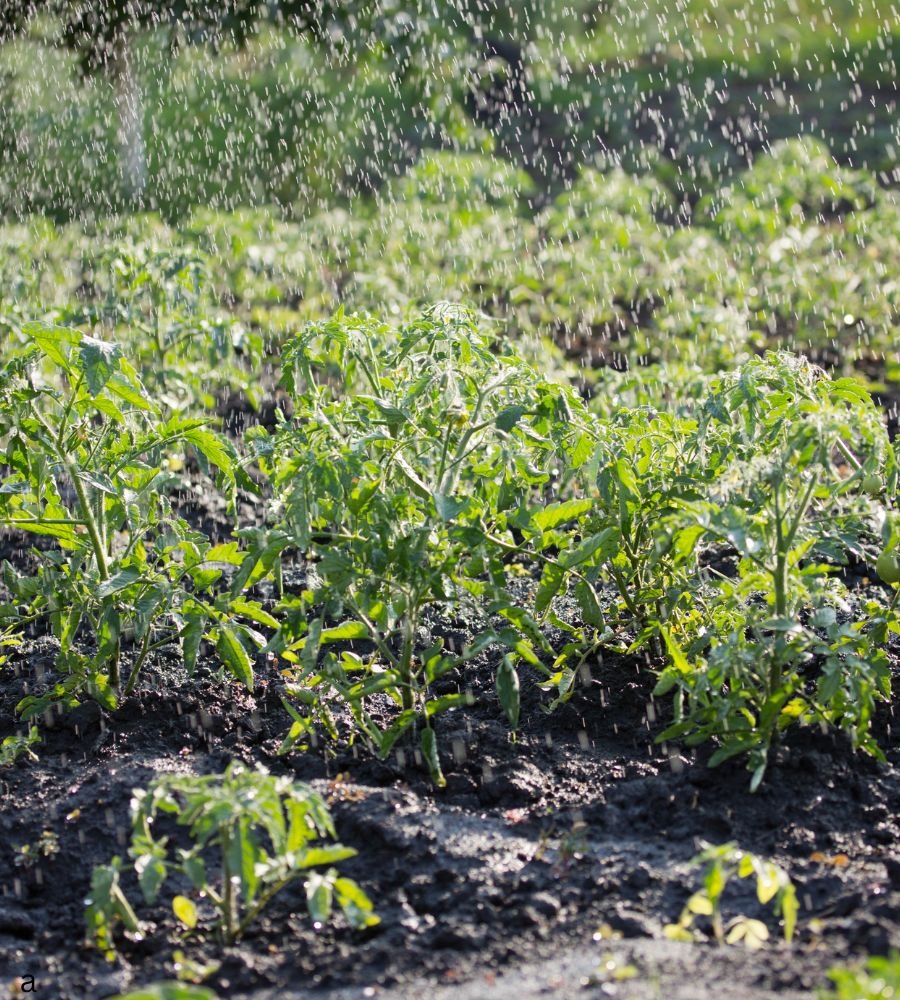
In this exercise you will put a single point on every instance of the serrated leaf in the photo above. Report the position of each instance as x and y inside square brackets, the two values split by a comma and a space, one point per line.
[51, 340]
[128, 391]
[211, 447]
[99, 361]
[588, 546]
[448, 507]
[118, 581]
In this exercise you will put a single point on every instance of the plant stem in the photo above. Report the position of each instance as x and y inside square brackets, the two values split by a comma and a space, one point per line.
[228, 901]
[138, 663]
[405, 665]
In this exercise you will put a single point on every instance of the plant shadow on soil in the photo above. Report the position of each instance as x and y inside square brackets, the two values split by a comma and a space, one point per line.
[583, 823]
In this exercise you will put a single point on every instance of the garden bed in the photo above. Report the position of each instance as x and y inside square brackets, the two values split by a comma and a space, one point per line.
[548, 864]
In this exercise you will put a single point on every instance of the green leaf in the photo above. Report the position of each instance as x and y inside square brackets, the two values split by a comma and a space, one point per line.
[151, 872]
[99, 360]
[552, 578]
[185, 911]
[397, 728]
[419, 487]
[555, 514]
[64, 532]
[319, 897]
[129, 391]
[581, 452]
[591, 611]
[434, 706]
[169, 990]
[52, 340]
[789, 908]
[768, 882]
[312, 857]
[234, 656]
[118, 581]
[356, 905]
[448, 507]
[508, 418]
[586, 548]
[344, 632]
[508, 691]
[252, 610]
[211, 447]
[191, 635]
[393, 416]
[430, 753]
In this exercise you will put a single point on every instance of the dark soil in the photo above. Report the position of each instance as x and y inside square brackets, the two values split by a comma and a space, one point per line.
[544, 867]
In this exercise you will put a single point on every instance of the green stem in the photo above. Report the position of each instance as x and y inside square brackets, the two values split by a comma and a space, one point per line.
[780, 571]
[405, 665]
[260, 904]
[67, 412]
[848, 454]
[801, 512]
[87, 511]
[228, 900]
[139, 661]
[279, 578]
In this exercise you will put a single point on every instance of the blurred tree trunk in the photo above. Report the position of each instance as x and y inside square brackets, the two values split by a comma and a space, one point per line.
[130, 105]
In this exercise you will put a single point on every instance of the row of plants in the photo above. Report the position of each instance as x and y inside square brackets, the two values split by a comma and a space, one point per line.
[797, 251]
[427, 468]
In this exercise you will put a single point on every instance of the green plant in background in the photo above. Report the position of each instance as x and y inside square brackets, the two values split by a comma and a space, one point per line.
[159, 301]
[403, 495]
[877, 979]
[252, 835]
[723, 863]
[85, 453]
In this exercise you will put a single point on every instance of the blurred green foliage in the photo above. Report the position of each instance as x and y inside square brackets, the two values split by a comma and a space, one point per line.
[290, 122]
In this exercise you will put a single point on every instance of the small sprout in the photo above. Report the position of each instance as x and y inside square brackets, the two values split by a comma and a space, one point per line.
[773, 885]
[14, 747]
[260, 832]
[188, 970]
[45, 846]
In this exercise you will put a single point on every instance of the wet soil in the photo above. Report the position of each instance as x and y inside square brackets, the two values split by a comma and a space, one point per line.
[548, 866]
